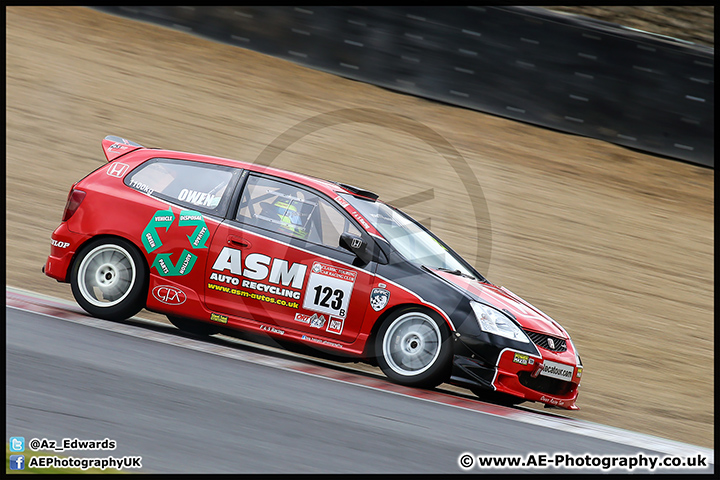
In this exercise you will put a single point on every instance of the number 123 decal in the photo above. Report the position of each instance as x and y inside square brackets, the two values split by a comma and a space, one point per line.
[329, 289]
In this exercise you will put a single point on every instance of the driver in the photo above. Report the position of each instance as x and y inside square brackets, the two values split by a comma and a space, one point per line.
[290, 220]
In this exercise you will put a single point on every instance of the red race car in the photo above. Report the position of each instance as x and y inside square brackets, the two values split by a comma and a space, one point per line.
[222, 245]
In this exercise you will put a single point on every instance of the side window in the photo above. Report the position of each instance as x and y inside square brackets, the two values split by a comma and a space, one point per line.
[197, 185]
[293, 211]
[334, 224]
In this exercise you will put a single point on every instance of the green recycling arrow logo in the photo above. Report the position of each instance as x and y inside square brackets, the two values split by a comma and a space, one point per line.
[201, 233]
[151, 240]
[165, 267]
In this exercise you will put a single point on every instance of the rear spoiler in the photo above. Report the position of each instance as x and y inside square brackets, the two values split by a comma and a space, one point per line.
[115, 147]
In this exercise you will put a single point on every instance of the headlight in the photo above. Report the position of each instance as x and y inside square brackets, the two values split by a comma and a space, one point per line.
[492, 321]
[578, 362]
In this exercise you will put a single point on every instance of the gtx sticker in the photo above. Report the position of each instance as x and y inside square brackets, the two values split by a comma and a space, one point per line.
[169, 295]
[314, 320]
[55, 243]
[379, 298]
[216, 317]
[117, 169]
[335, 326]
[165, 219]
[329, 289]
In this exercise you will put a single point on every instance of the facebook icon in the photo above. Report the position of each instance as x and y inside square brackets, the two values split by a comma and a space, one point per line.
[17, 462]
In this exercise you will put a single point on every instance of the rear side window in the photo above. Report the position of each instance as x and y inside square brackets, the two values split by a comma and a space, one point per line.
[200, 186]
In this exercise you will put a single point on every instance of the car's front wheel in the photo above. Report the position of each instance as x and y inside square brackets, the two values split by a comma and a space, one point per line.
[413, 348]
[109, 279]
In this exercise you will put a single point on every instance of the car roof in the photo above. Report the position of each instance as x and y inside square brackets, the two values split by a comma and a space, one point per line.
[115, 147]
[327, 187]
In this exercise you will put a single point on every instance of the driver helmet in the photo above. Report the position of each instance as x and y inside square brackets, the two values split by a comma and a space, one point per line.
[290, 218]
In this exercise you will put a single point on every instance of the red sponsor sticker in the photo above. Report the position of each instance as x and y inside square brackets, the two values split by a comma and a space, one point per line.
[335, 325]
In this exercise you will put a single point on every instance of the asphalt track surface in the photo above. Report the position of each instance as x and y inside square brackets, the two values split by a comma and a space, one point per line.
[192, 405]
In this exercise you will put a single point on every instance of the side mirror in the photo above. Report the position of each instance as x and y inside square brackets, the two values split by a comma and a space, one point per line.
[356, 245]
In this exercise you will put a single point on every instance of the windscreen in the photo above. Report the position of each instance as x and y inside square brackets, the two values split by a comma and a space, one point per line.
[409, 238]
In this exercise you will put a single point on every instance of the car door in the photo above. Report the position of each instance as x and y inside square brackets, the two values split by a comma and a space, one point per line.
[278, 261]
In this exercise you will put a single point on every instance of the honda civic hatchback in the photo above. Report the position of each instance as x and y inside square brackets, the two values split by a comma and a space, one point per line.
[219, 245]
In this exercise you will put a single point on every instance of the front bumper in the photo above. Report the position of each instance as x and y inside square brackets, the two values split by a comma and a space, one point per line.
[520, 374]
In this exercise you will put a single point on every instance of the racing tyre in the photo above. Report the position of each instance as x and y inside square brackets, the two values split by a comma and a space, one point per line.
[413, 348]
[109, 279]
[193, 326]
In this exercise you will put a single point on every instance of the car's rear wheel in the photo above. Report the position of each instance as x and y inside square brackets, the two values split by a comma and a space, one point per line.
[109, 279]
[413, 348]
[195, 327]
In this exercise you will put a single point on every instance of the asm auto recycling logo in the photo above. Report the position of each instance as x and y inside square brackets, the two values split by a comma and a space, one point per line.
[165, 219]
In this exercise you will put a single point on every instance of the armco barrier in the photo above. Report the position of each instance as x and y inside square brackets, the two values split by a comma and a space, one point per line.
[565, 72]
